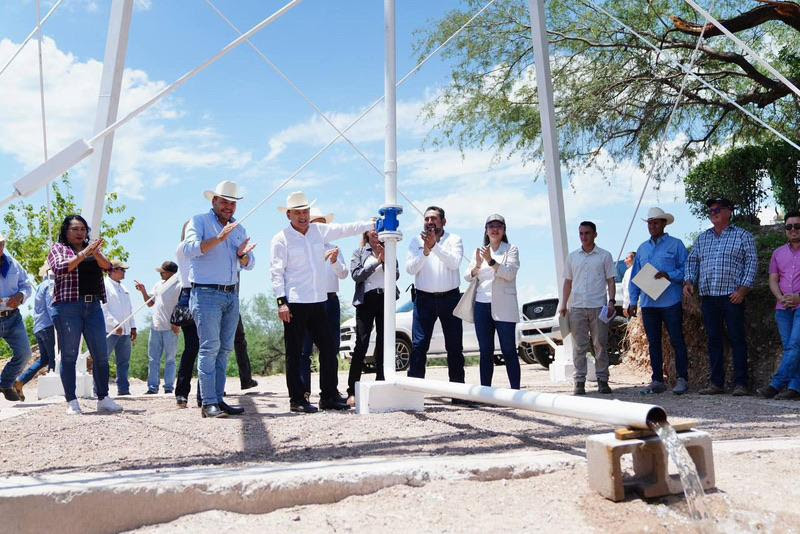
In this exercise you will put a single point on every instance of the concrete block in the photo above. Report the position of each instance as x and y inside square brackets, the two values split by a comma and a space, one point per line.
[381, 397]
[651, 477]
[561, 369]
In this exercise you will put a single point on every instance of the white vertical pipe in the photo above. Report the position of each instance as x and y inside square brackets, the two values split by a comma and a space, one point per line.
[107, 106]
[390, 185]
[555, 195]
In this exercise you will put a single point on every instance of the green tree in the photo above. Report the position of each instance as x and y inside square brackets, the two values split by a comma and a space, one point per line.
[783, 163]
[28, 231]
[613, 93]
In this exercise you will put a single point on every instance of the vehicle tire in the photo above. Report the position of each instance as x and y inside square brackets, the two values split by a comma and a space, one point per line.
[544, 355]
[525, 353]
[498, 359]
[402, 349]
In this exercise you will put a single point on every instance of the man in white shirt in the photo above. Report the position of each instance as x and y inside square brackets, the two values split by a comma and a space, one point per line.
[336, 270]
[116, 309]
[163, 334]
[434, 259]
[588, 275]
[298, 271]
[626, 280]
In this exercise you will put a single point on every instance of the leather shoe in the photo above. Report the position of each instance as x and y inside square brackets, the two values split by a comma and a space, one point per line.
[182, 402]
[251, 384]
[18, 388]
[712, 389]
[9, 394]
[333, 403]
[602, 387]
[788, 394]
[230, 410]
[579, 389]
[767, 392]
[212, 410]
[302, 407]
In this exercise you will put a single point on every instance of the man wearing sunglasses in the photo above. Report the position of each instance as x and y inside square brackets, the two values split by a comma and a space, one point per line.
[116, 309]
[784, 282]
[722, 264]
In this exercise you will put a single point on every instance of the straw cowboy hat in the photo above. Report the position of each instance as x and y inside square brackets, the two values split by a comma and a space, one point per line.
[316, 213]
[227, 190]
[658, 213]
[296, 201]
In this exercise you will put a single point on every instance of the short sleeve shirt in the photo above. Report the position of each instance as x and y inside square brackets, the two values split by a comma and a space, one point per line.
[589, 272]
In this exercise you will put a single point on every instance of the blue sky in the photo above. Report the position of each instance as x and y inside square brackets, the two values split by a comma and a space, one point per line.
[238, 120]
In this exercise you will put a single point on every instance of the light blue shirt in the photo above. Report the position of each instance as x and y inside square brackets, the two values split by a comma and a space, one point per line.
[13, 280]
[668, 254]
[220, 265]
[43, 309]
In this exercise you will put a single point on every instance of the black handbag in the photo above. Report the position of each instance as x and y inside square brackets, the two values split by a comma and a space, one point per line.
[181, 314]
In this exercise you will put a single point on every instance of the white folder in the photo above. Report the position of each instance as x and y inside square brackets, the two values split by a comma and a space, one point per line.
[647, 281]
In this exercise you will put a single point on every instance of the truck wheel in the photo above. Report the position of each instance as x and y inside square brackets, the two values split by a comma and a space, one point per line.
[402, 349]
[544, 355]
[525, 353]
[498, 359]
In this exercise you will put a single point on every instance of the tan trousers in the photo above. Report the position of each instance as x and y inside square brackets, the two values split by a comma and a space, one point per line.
[587, 328]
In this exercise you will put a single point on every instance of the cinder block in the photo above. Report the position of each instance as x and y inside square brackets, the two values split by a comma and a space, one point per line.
[380, 397]
[651, 477]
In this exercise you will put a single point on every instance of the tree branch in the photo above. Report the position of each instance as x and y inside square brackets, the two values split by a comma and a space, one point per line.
[786, 12]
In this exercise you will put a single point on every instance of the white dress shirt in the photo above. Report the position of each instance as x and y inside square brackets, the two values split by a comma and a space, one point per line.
[438, 271]
[375, 280]
[335, 271]
[183, 266]
[117, 307]
[297, 267]
[486, 276]
[589, 272]
[626, 294]
[166, 298]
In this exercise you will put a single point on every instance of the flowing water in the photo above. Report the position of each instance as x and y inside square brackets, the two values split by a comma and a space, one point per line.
[692, 487]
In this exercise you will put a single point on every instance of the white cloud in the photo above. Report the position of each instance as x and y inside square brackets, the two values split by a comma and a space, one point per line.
[149, 146]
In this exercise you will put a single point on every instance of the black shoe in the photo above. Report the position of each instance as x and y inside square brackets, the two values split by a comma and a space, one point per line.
[230, 410]
[602, 387]
[124, 394]
[168, 391]
[333, 403]
[302, 407]
[251, 384]
[579, 389]
[10, 394]
[148, 392]
[788, 394]
[767, 392]
[182, 402]
[212, 410]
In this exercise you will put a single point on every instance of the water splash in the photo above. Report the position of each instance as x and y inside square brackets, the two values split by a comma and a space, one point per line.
[690, 480]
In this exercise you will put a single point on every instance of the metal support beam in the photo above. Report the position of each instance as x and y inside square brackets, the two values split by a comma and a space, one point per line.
[107, 105]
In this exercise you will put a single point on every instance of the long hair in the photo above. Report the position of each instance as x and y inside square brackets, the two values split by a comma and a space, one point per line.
[365, 238]
[62, 235]
[486, 237]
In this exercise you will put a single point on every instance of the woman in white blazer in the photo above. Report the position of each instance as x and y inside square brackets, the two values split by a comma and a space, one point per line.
[495, 266]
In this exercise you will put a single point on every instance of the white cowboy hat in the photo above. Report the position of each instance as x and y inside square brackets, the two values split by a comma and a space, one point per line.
[225, 189]
[316, 213]
[658, 213]
[296, 201]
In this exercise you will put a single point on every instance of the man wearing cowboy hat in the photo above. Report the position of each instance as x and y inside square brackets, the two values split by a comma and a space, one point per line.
[43, 330]
[163, 334]
[723, 264]
[298, 271]
[119, 335]
[218, 248]
[667, 255]
[335, 270]
[14, 290]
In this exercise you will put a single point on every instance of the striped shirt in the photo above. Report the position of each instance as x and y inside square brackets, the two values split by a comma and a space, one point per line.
[722, 263]
[66, 282]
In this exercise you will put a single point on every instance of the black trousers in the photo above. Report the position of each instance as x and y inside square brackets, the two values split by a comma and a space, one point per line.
[367, 313]
[191, 345]
[242, 358]
[313, 318]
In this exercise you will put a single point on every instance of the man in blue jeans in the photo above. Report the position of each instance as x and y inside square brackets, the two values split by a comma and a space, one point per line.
[433, 260]
[723, 264]
[784, 283]
[120, 334]
[217, 247]
[14, 289]
[667, 255]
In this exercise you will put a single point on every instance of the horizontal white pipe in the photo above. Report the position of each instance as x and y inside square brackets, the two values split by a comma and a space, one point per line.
[613, 412]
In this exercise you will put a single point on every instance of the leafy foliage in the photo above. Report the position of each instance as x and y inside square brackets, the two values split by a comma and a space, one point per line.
[29, 229]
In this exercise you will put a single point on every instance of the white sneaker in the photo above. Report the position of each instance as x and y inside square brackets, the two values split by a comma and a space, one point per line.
[108, 405]
[73, 408]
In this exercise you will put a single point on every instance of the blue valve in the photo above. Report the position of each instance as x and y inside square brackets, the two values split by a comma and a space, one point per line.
[388, 223]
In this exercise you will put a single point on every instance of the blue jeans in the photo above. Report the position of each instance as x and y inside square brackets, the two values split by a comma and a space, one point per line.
[72, 320]
[216, 314]
[427, 308]
[672, 317]
[788, 374]
[334, 312]
[46, 339]
[717, 310]
[121, 347]
[485, 327]
[12, 329]
[161, 342]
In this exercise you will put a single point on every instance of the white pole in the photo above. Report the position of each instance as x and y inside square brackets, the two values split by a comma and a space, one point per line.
[558, 225]
[119, 25]
[390, 178]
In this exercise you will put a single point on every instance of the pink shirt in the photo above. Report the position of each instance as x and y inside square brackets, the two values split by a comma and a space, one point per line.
[785, 263]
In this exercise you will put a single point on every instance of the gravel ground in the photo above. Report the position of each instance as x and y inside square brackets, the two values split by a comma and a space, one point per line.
[153, 433]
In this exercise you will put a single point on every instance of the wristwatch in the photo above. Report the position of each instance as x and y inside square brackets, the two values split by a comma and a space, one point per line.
[492, 262]
[282, 301]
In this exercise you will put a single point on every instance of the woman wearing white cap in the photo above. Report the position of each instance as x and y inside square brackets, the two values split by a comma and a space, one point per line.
[495, 268]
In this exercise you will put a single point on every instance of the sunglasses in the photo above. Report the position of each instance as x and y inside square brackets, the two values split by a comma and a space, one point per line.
[495, 225]
[795, 226]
